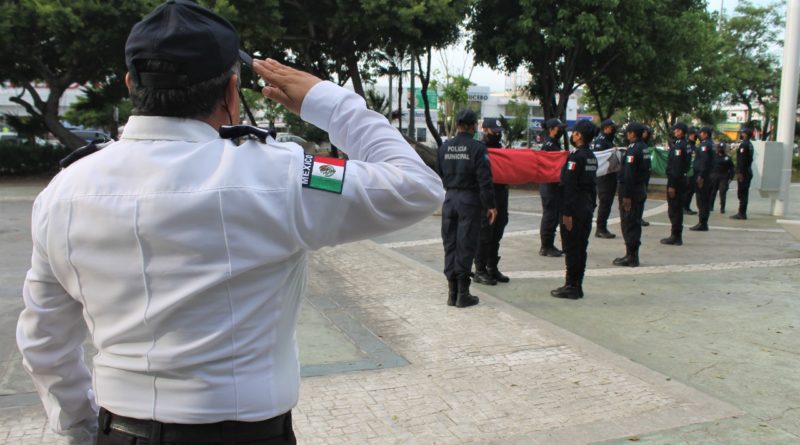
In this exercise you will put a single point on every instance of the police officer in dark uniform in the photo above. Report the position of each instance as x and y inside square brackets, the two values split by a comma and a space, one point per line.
[633, 193]
[549, 192]
[578, 194]
[677, 183]
[721, 175]
[691, 137]
[744, 171]
[463, 164]
[606, 184]
[647, 138]
[486, 270]
[703, 163]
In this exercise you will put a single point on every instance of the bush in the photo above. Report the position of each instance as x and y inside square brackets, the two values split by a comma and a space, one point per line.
[22, 159]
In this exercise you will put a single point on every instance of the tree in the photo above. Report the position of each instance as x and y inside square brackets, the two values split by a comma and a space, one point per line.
[61, 44]
[690, 76]
[557, 41]
[454, 99]
[517, 126]
[102, 106]
[751, 65]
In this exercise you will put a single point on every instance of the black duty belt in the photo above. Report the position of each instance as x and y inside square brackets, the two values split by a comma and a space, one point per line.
[220, 432]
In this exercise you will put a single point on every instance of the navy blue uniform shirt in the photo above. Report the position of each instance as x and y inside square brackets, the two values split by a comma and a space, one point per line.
[463, 163]
[678, 162]
[635, 170]
[578, 190]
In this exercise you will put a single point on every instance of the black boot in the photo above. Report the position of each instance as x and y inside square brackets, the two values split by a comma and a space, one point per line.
[465, 299]
[700, 227]
[633, 260]
[495, 273]
[550, 251]
[689, 212]
[602, 232]
[673, 240]
[622, 260]
[481, 275]
[739, 216]
[484, 277]
[569, 291]
[645, 223]
[452, 292]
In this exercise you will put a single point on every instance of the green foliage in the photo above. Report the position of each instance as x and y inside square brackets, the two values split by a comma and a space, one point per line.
[752, 68]
[517, 127]
[454, 99]
[96, 108]
[565, 43]
[378, 102]
[62, 43]
[18, 159]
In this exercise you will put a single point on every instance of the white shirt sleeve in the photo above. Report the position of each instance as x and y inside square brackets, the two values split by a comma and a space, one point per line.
[386, 186]
[50, 334]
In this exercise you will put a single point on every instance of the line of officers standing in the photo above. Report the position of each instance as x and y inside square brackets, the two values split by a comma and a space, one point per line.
[475, 210]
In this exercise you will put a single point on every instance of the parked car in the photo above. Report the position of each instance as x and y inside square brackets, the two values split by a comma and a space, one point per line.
[310, 148]
[90, 134]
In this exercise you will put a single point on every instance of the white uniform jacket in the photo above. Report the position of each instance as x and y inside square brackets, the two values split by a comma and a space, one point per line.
[184, 258]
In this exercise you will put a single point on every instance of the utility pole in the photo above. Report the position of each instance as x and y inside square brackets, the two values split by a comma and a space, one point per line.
[787, 116]
[412, 107]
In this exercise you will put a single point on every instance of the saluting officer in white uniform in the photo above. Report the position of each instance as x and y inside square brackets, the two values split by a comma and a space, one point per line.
[184, 256]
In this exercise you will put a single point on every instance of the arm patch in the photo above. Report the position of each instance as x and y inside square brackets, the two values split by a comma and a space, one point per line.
[322, 173]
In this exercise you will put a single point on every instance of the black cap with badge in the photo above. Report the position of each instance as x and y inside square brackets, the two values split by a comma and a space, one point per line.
[492, 123]
[200, 43]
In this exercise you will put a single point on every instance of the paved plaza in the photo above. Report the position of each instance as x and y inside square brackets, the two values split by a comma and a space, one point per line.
[697, 346]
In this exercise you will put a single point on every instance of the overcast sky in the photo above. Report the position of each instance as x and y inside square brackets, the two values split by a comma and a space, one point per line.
[460, 60]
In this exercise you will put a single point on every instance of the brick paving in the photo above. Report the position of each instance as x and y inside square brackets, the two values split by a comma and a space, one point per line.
[488, 374]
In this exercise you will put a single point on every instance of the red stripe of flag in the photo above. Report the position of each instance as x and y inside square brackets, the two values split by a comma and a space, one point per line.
[332, 161]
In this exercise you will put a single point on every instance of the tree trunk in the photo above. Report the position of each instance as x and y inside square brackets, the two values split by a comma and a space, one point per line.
[400, 96]
[48, 111]
[391, 111]
[425, 80]
[412, 98]
[355, 74]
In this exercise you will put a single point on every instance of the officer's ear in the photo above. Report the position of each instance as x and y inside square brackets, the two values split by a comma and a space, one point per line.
[232, 98]
[128, 81]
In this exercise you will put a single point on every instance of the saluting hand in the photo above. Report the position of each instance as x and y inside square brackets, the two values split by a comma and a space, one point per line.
[567, 221]
[492, 215]
[285, 85]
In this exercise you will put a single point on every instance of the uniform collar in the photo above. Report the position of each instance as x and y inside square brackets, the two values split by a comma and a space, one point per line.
[160, 128]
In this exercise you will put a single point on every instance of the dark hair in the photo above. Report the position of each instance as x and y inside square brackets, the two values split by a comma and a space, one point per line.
[193, 102]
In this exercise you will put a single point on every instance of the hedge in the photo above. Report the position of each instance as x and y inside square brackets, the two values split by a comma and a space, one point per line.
[22, 159]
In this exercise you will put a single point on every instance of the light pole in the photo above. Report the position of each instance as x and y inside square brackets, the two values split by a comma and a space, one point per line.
[787, 116]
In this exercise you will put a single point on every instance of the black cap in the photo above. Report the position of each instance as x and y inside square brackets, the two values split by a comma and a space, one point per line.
[681, 126]
[608, 123]
[200, 43]
[635, 128]
[707, 130]
[553, 123]
[586, 128]
[466, 117]
[747, 131]
[692, 130]
[492, 124]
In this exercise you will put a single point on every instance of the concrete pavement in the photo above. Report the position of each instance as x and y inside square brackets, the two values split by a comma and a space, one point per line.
[697, 346]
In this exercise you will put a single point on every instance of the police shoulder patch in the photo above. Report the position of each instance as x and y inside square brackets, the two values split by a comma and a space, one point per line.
[571, 166]
[323, 173]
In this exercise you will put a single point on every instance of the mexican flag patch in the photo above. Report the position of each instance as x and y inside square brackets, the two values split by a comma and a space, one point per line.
[630, 159]
[678, 152]
[323, 173]
[571, 166]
